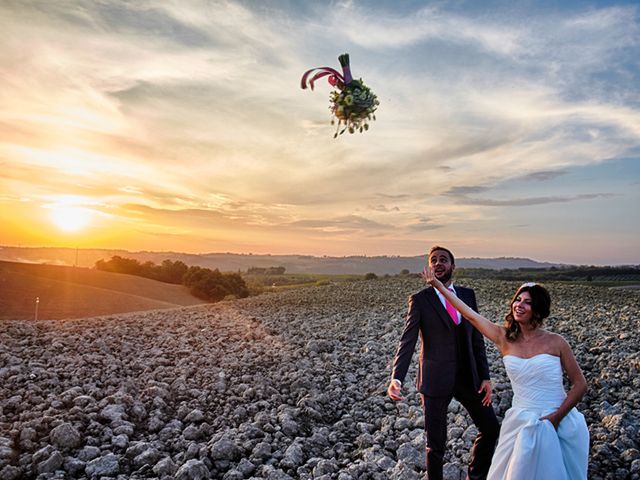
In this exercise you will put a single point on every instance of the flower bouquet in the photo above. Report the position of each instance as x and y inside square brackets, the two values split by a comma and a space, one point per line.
[353, 104]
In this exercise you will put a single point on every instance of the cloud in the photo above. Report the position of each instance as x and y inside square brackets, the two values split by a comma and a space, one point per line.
[383, 208]
[423, 225]
[466, 190]
[391, 30]
[462, 190]
[343, 224]
[219, 214]
[526, 202]
[400, 196]
[542, 176]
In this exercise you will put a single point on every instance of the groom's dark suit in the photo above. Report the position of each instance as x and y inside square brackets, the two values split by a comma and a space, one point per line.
[453, 364]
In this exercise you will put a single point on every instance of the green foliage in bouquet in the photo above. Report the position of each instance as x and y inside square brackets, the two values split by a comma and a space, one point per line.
[353, 107]
[353, 103]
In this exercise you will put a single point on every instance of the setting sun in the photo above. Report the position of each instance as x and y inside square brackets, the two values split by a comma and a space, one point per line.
[71, 218]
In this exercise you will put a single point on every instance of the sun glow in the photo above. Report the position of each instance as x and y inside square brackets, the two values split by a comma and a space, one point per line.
[71, 218]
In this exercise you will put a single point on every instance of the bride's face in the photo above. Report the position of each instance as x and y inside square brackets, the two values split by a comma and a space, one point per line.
[521, 308]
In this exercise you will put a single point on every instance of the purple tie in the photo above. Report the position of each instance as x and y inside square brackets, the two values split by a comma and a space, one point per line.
[453, 313]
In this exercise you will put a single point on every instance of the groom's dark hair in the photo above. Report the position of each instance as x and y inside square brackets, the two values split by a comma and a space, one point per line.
[438, 247]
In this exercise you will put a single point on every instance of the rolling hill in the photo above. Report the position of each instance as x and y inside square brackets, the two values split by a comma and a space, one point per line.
[73, 292]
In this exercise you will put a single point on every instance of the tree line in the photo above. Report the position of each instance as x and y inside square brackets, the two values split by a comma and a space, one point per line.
[204, 283]
[266, 270]
[579, 273]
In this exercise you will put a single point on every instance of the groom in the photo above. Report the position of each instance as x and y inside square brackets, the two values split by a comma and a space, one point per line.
[453, 364]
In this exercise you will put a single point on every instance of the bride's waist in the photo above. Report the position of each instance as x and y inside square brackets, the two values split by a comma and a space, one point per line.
[538, 402]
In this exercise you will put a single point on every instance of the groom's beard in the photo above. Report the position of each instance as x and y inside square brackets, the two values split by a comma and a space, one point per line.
[445, 276]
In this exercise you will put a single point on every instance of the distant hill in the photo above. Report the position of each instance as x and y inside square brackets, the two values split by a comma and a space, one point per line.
[70, 292]
[507, 263]
[231, 262]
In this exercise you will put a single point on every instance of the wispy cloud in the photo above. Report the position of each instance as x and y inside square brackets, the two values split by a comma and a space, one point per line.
[544, 175]
[192, 111]
[346, 223]
[374, 29]
[527, 202]
[422, 225]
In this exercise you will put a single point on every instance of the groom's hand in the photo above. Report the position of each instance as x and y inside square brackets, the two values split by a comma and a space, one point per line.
[394, 390]
[485, 390]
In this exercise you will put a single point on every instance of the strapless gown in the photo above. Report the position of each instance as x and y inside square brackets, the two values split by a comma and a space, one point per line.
[530, 449]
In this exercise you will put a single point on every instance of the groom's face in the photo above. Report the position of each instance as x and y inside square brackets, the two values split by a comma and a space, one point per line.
[440, 263]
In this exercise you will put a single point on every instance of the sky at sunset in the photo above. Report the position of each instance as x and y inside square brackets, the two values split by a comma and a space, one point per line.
[504, 128]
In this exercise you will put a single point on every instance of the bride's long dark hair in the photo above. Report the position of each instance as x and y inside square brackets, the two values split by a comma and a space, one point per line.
[540, 309]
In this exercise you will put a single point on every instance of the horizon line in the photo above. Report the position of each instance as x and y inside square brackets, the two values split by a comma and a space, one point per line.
[317, 256]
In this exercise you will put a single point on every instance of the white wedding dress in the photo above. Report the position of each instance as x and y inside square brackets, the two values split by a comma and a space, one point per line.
[530, 449]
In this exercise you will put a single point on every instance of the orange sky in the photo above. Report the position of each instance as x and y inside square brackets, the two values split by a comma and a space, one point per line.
[177, 126]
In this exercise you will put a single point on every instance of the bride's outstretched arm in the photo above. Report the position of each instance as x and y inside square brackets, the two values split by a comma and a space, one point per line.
[493, 332]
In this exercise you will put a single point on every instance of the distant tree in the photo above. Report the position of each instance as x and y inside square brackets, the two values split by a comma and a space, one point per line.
[370, 276]
[404, 271]
[276, 270]
[213, 285]
[173, 272]
[150, 270]
[266, 271]
[195, 276]
[210, 285]
[119, 264]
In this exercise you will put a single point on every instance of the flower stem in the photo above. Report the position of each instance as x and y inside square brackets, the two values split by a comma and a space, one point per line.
[346, 69]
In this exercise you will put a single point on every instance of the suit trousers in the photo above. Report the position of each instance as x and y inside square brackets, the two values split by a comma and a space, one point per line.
[435, 425]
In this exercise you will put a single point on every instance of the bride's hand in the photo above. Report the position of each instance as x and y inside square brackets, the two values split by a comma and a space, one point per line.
[553, 418]
[429, 277]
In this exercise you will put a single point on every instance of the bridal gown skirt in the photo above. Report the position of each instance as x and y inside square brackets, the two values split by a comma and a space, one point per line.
[530, 449]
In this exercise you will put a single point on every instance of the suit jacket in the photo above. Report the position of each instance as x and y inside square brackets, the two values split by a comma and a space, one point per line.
[428, 319]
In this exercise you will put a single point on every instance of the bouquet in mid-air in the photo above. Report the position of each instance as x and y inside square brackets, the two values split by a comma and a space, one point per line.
[353, 104]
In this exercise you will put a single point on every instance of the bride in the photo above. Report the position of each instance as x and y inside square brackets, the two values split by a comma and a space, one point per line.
[543, 436]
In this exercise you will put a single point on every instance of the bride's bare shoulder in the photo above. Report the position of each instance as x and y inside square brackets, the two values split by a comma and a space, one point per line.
[556, 342]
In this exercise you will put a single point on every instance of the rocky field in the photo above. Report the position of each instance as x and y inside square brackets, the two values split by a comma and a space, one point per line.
[284, 385]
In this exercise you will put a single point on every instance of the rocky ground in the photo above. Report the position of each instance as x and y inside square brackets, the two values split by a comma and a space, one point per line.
[284, 385]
